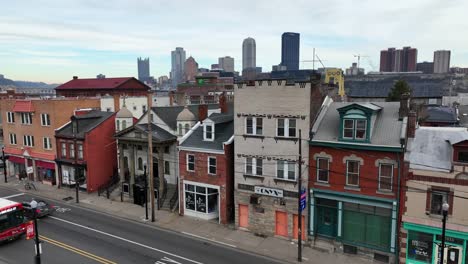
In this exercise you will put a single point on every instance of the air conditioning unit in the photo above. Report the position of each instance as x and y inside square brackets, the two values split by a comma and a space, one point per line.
[255, 199]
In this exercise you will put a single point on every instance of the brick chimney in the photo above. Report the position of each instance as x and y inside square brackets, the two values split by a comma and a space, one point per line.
[411, 124]
[202, 112]
[116, 102]
[75, 77]
[316, 96]
[404, 106]
[222, 103]
[171, 98]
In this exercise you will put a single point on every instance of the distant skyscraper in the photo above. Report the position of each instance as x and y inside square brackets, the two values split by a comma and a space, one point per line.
[290, 50]
[425, 67]
[191, 69]
[226, 63]
[178, 63]
[143, 69]
[248, 53]
[402, 60]
[441, 61]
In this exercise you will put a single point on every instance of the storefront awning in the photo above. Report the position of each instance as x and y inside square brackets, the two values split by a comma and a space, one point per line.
[46, 165]
[16, 159]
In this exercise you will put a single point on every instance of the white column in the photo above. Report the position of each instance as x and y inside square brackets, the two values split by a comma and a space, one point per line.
[340, 217]
[312, 210]
[394, 223]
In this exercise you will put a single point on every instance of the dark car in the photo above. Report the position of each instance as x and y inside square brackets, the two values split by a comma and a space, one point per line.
[42, 209]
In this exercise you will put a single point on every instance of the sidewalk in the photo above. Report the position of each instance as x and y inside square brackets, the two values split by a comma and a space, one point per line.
[276, 248]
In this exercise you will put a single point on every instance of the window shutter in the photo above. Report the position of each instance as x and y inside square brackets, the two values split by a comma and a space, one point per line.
[428, 200]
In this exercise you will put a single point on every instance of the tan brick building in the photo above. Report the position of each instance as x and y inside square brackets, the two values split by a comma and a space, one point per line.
[29, 128]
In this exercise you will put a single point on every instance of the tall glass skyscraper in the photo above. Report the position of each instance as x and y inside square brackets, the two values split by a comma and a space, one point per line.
[178, 66]
[290, 50]
[248, 53]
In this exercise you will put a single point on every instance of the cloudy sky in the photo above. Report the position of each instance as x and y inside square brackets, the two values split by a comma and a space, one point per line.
[52, 40]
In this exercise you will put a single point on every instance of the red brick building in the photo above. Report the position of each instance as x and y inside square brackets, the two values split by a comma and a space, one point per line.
[86, 151]
[206, 168]
[29, 128]
[102, 86]
[356, 160]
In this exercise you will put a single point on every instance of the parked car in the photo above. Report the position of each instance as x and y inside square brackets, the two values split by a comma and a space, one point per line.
[42, 209]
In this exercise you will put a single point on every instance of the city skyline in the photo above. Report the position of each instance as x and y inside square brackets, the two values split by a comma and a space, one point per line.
[85, 38]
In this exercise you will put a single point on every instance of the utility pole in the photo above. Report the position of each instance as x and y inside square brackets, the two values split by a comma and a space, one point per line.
[150, 153]
[146, 193]
[299, 204]
[4, 164]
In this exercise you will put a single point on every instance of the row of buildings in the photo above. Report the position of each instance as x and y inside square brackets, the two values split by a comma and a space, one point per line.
[406, 60]
[373, 184]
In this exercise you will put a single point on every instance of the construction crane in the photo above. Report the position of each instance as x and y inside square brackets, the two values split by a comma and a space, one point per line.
[359, 56]
[315, 58]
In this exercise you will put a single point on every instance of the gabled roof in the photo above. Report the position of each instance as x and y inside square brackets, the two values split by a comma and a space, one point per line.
[23, 107]
[224, 130]
[367, 106]
[438, 155]
[169, 113]
[95, 83]
[386, 129]
[159, 135]
[85, 123]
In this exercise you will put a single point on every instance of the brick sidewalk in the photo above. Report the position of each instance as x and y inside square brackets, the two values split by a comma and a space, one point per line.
[277, 248]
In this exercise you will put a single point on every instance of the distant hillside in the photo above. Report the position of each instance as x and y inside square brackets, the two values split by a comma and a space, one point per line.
[25, 84]
[7, 82]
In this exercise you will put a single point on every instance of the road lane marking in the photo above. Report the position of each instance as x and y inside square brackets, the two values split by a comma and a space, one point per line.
[76, 250]
[212, 240]
[124, 239]
[13, 195]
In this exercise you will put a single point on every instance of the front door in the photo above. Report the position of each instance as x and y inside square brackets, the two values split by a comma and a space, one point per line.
[452, 254]
[281, 223]
[243, 215]
[326, 217]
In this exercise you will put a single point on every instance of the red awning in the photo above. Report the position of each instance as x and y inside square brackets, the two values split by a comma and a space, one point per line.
[23, 106]
[46, 165]
[16, 159]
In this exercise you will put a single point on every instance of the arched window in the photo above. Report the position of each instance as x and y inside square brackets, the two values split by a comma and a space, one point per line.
[187, 128]
[180, 130]
[140, 163]
[124, 124]
[118, 125]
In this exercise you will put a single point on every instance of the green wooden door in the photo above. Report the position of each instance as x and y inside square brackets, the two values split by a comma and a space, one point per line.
[326, 221]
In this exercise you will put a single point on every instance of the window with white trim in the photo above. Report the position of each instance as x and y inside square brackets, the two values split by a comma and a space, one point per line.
[354, 129]
[80, 151]
[28, 141]
[45, 119]
[385, 177]
[13, 139]
[254, 126]
[286, 170]
[254, 166]
[208, 132]
[64, 150]
[323, 170]
[190, 162]
[352, 172]
[286, 127]
[10, 117]
[47, 143]
[72, 150]
[26, 118]
[211, 165]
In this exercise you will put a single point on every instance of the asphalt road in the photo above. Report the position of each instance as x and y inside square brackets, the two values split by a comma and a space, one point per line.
[77, 235]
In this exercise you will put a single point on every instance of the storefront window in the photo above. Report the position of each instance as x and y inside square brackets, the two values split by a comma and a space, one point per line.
[420, 246]
[201, 199]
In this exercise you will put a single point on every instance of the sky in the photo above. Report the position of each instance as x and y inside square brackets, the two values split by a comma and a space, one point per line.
[53, 40]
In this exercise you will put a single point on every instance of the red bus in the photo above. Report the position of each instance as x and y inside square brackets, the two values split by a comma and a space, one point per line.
[12, 221]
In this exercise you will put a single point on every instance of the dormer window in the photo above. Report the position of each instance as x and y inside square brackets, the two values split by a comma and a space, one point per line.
[208, 132]
[354, 129]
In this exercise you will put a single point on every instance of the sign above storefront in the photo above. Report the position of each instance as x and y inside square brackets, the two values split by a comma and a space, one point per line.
[269, 191]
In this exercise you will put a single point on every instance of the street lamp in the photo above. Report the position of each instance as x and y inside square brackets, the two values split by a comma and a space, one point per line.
[36, 231]
[445, 209]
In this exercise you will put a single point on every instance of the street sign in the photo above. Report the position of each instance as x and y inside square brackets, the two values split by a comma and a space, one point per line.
[303, 201]
[29, 170]
[30, 230]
